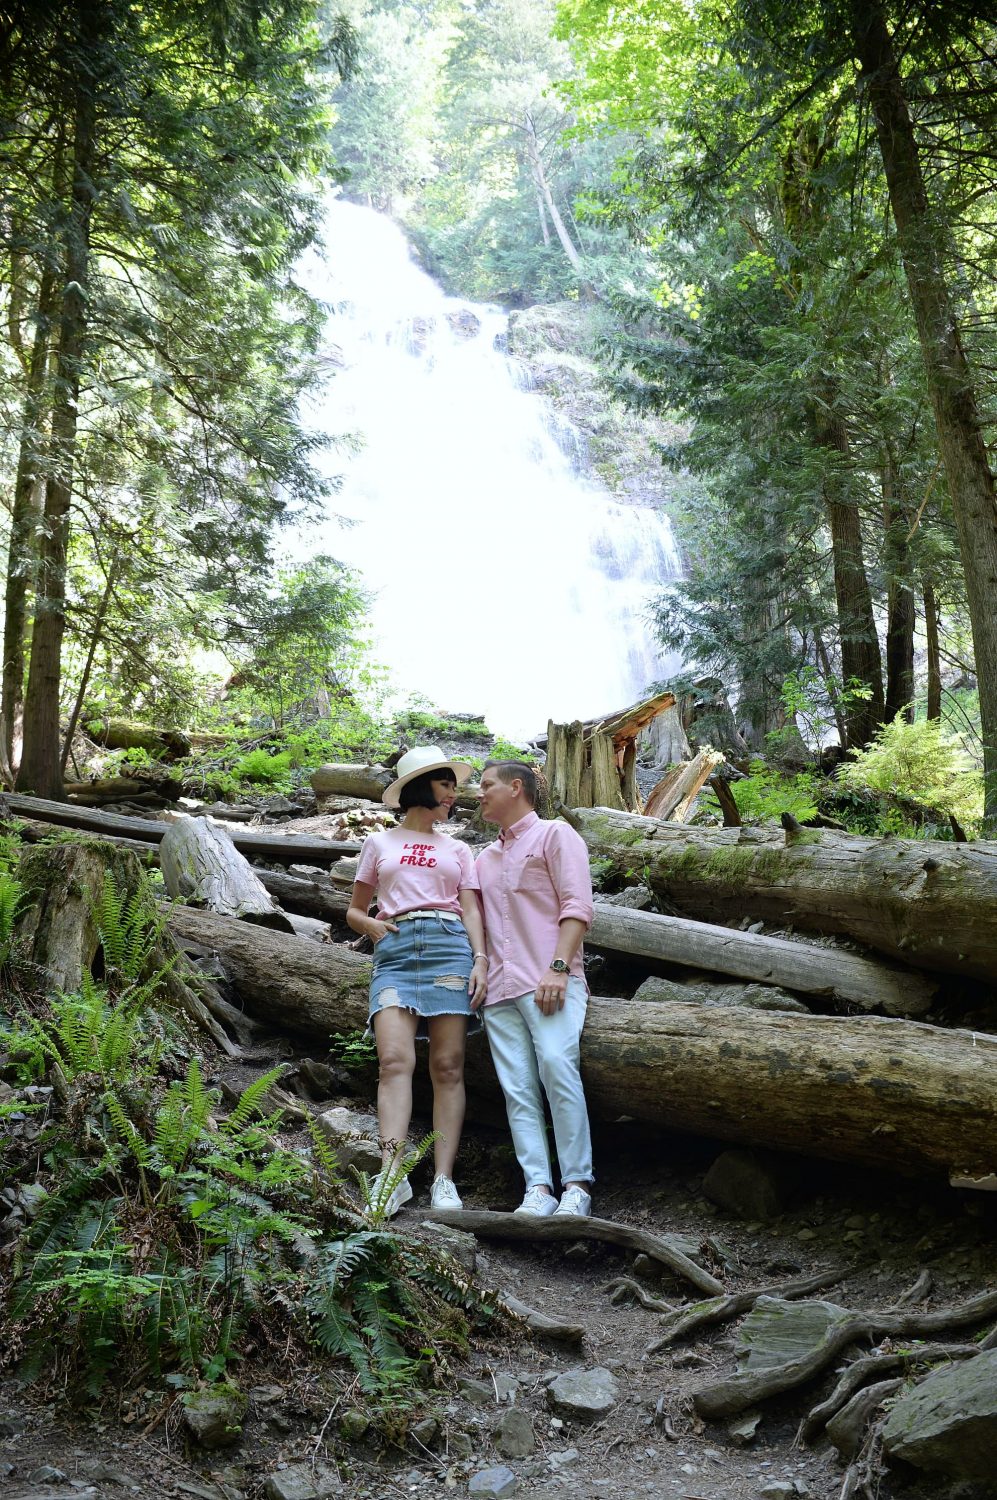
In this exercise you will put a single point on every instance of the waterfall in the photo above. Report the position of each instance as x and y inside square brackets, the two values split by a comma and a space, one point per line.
[504, 581]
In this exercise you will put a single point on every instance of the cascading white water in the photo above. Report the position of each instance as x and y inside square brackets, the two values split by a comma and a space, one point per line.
[504, 581]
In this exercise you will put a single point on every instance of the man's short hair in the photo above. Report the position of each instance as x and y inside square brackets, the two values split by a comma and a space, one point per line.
[419, 791]
[516, 770]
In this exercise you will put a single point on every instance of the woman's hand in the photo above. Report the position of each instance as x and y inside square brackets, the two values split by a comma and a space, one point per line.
[477, 985]
[376, 929]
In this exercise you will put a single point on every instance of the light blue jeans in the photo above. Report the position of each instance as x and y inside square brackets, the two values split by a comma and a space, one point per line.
[530, 1049]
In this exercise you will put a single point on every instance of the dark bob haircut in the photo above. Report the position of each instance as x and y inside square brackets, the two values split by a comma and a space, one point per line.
[419, 791]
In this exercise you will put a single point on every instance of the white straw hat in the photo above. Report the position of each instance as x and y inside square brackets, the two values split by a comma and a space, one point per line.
[416, 762]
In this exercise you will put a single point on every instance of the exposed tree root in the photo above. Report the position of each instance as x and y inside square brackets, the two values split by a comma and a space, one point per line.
[501, 1226]
[624, 1286]
[859, 1371]
[726, 1398]
[685, 1320]
[542, 1324]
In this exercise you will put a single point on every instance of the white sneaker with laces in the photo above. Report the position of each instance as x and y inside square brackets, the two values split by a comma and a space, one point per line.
[575, 1203]
[401, 1193]
[444, 1194]
[538, 1203]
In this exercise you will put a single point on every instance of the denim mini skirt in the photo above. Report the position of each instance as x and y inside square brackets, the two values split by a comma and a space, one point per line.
[424, 967]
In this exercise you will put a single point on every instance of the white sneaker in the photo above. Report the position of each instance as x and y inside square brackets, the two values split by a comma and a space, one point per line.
[444, 1194]
[538, 1203]
[401, 1193]
[575, 1203]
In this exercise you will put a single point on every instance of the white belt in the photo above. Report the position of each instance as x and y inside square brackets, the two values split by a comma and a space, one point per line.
[409, 916]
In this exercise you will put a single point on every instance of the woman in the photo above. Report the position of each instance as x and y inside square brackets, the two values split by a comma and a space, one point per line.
[429, 960]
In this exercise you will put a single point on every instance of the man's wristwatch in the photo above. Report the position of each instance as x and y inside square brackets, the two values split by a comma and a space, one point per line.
[559, 966]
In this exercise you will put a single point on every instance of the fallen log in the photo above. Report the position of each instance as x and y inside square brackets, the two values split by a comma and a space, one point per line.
[925, 903]
[283, 848]
[305, 898]
[868, 1089]
[201, 864]
[122, 789]
[804, 967]
[128, 734]
[351, 781]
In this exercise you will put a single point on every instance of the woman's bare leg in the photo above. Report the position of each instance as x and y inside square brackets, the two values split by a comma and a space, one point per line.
[394, 1031]
[447, 1036]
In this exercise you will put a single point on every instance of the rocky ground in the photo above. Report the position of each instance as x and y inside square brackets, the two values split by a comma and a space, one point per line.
[512, 1421]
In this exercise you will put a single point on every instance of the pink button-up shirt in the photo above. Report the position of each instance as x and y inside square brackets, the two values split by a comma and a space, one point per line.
[533, 876]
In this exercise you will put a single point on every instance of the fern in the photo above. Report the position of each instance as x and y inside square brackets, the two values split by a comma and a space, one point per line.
[12, 895]
[128, 929]
[251, 1099]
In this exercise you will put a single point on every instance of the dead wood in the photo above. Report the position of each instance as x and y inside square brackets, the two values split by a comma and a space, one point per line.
[675, 793]
[282, 848]
[554, 1329]
[504, 1226]
[808, 968]
[625, 1286]
[685, 1320]
[128, 734]
[926, 904]
[726, 1398]
[350, 781]
[141, 786]
[304, 897]
[201, 865]
[870, 1089]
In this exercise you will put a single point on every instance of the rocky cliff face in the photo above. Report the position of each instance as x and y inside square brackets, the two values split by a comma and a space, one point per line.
[554, 346]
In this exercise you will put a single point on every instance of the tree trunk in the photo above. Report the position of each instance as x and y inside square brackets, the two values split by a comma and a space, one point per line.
[807, 968]
[923, 240]
[934, 654]
[929, 905]
[535, 159]
[351, 781]
[872, 1090]
[675, 794]
[22, 548]
[201, 864]
[861, 662]
[900, 613]
[40, 770]
[129, 734]
[81, 691]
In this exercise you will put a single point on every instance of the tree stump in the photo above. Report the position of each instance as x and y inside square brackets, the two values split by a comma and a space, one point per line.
[201, 865]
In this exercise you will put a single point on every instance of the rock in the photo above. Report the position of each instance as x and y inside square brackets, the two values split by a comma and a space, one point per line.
[304, 1482]
[213, 1417]
[353, 1425]
[459, 1444]
[425, 1432]
[776, 1332]
[464, 323]
[743, 1431]
[494, 1483]
[748, 996]
[506, 1387]
[635, 897]
[751, 1184]
[12, 1425]
[562, 1459]
[353, 1137]
[476, 1391]
[778, 1489]
[584, 1394]
[47, 1474]
[513, 1434]
[948, 1423]
[320, 1080]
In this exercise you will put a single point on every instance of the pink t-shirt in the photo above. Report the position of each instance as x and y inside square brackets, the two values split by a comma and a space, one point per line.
[414, 871]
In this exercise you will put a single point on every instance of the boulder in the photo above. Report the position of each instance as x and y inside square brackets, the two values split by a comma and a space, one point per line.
[494, 1483]
[353, 1137]
[213, 1417]
[584, 1395]
[303, 1482]
[751, 1184]
[513, 1434]
[948, 1423]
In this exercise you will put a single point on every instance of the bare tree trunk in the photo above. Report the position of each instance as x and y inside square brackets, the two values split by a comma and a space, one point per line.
[923, 237]
[40, 770]
[900, 615]
[81, 692]
[934, 654]
[22, 550]
[543, 188]
[860, 655]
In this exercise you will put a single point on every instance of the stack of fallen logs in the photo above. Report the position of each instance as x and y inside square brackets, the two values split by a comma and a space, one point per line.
[858, 1075]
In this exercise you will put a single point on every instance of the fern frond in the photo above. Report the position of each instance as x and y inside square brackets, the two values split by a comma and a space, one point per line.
[251, 1099]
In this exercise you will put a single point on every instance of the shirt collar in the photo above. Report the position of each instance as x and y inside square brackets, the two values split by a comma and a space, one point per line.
[516, 830]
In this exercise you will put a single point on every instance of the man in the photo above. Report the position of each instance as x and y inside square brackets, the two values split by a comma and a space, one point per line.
[536, 891]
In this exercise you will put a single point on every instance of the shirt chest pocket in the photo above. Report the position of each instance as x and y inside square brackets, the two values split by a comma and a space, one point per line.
[533, 875]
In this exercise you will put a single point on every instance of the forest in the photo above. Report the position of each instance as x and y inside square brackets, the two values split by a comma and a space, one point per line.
[743, 247]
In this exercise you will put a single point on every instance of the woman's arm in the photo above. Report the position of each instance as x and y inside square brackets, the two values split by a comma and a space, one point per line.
[357, 914]
[477, 985]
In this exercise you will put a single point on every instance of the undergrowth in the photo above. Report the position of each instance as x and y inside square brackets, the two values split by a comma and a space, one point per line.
[166, 1237]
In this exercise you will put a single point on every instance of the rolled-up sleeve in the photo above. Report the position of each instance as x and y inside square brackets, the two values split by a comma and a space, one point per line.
[568, 861]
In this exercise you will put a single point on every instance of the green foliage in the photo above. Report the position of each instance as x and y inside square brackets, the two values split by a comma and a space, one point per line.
[425, 725]
[765, 794]
[261, 768]
[921, 763]
[12, 895]
[354, 1049]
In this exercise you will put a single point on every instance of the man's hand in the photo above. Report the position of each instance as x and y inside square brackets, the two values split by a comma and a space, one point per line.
[477, 986]
[550, 992]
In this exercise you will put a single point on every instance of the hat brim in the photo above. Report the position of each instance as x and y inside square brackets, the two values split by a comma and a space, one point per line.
[460, 768]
